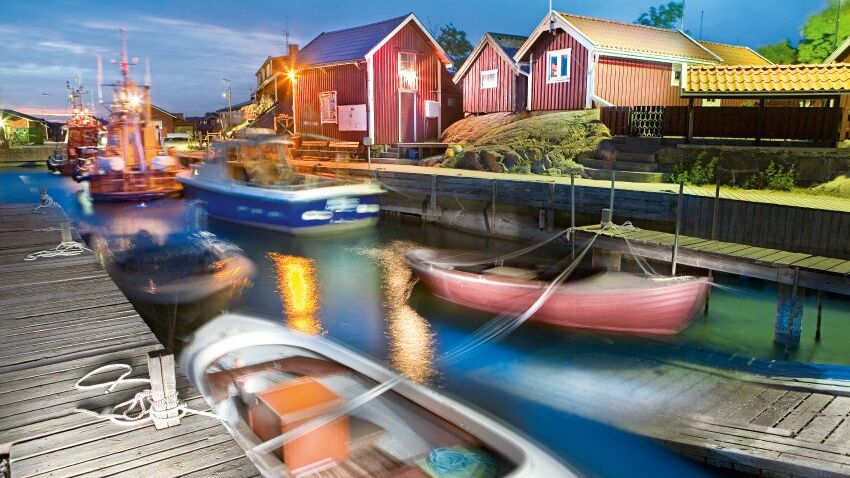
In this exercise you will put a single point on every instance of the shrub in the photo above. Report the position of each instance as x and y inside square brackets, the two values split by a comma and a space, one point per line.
[779, 178]
[696, 174]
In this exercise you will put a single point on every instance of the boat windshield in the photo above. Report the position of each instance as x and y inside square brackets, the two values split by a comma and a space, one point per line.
[265, 391]
[262, 164]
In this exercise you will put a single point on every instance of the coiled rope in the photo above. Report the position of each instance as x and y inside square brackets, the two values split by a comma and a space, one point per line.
[148, 406]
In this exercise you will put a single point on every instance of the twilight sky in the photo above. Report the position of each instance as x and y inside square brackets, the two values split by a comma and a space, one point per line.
[193, 44]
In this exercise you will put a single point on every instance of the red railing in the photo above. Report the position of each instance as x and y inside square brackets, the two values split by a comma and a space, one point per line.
[820, 125]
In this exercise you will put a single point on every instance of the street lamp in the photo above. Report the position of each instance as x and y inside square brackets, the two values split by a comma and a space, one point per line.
[229, 96]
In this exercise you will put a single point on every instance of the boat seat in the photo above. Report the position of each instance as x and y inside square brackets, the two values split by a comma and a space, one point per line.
[511, 272]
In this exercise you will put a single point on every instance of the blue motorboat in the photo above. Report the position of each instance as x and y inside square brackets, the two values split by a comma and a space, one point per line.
[249, 181]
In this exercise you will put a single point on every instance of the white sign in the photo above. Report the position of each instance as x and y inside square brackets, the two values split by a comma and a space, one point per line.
[432, 109]
[352, 117]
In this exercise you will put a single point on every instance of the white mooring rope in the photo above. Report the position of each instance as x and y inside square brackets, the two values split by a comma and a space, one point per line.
[148, 407]
[64, 249]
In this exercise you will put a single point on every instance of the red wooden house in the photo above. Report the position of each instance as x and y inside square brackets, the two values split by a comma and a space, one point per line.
[490, 78]
[579, 62]
[383, 81]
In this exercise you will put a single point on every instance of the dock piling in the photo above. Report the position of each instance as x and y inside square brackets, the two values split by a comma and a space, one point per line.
[820, 309]
[164, 412]
[678, 227]
[573, 214]
[65, 231]
[708, 294]
[493, 207]
[789, 313]
[611, 198]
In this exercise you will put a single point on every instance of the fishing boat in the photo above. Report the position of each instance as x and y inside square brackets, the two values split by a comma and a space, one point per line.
[592, 299]
[305, 406]
[80, 135]
[131, 166]
[249, 181]
[176, 282]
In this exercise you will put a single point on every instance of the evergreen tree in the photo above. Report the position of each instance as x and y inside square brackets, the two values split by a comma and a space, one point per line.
[455, 43]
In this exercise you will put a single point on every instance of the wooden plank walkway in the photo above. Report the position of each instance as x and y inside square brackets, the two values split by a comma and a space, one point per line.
[60, 318]
[815, 272]
[769, 426]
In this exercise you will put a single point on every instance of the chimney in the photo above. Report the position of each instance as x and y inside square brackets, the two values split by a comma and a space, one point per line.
[293, 51]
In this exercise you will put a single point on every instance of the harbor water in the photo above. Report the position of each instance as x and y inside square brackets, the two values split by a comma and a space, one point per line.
[355, 289]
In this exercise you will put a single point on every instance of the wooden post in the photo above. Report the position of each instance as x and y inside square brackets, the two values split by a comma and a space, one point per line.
[611, 199]
[678, 227]
[163, 389]
[573, 213]
[714, 212]
[550, 208]
[820, 309]
[690, 133]
[760, 121]
[65, 231]
[708, 294]
[42, 195]
[789, 314]
[493, 207]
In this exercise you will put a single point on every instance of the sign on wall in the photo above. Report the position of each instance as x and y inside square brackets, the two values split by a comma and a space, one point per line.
[327, 106]
[352, 117]
[432, 109]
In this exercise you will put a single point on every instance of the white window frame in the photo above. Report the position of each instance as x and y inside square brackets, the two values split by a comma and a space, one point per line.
[560, 54]
[415, 71]
[676, 68]
[485, 84]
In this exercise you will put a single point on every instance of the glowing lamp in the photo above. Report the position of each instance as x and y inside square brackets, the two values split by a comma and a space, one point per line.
[134, 100]
[291, 75]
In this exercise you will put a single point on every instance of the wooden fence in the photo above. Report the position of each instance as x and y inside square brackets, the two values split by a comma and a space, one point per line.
[819, 125]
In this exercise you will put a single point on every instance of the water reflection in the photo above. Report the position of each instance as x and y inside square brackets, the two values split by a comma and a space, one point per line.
[296, 285]
[411, 339]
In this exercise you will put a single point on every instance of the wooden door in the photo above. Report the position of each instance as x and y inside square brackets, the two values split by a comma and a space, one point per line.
[406, 117]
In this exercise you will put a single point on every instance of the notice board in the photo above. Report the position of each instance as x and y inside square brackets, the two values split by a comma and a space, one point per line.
[352, 118]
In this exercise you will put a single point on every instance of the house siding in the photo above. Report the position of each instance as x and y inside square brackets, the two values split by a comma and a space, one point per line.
[626, 82]
[569, 95]
[349, 82]
[492, 100]
[409, 39]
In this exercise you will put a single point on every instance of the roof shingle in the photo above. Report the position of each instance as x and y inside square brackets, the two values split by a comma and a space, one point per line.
[768, 80]
[735, 54]
[350, 44]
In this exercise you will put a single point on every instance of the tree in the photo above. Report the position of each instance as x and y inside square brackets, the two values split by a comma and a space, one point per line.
[819, 39]
[455, 44]
[663, 16]
[781, 53]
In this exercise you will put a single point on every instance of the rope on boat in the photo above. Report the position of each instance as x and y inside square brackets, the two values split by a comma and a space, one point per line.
[503, 257]
[45, 202]
[148, 407]
[493, 331]
[64, 249]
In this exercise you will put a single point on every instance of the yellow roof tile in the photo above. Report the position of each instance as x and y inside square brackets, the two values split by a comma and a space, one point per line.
[767, 80]
[735, 54]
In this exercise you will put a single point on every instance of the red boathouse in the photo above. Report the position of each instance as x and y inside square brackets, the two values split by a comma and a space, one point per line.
[491, 80]
[580, 62]
[383, 81]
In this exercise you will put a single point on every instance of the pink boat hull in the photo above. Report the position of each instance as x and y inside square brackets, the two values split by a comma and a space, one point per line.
[663, 307]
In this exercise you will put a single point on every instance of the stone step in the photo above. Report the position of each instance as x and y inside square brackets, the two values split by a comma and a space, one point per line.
[627, 176]
[635, 157]
[619, 165]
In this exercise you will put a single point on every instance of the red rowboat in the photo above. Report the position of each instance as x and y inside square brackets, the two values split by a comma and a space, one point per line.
[610, 301]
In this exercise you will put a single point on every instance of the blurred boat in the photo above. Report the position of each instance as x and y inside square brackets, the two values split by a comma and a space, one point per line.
[80, 135]
[599, 300]
[266, 380]
[131, 166]
[178, 282]
[249, 181]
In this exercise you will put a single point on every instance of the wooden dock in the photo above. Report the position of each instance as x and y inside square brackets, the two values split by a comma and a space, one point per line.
[61, 318]
[828, 274]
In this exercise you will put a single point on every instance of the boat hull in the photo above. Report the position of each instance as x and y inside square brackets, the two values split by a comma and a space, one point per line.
[664, 307]
[333, 211]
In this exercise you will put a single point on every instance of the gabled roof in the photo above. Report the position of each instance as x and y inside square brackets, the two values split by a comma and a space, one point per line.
[754, 81]
[735, 54]
[163, 111]
[357, 43]
[842, 49]
[18, 114]
[506, 46]
[639, 39]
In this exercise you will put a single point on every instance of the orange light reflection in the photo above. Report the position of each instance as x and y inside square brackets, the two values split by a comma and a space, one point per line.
[296, 284]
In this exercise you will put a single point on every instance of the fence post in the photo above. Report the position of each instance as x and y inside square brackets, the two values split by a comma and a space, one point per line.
[760, 121]
[714, 211]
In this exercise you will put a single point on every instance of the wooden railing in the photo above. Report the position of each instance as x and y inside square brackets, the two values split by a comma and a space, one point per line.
[819, 125]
